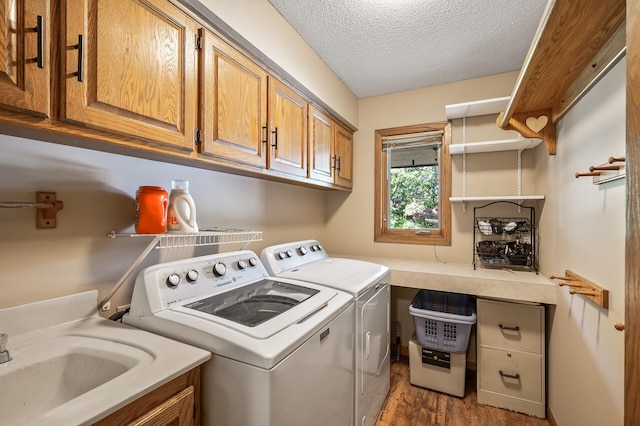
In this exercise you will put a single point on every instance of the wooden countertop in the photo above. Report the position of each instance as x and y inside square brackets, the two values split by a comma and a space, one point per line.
[462, 278]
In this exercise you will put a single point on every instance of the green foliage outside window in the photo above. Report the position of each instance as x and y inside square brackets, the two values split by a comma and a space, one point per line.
[413, 195]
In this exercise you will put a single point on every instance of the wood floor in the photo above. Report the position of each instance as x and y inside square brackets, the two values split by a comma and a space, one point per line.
[409, 405]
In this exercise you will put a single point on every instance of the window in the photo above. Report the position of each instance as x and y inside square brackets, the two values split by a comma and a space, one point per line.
[413, 184]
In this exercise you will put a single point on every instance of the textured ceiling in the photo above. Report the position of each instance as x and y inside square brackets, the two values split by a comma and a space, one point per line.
[378, 47]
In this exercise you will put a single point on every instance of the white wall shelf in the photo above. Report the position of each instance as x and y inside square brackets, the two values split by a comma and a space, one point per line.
[493, 146]
[486, 107]
[475, 108]
[517, 198]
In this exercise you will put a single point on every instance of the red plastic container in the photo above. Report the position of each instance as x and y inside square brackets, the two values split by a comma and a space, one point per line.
[152, 203]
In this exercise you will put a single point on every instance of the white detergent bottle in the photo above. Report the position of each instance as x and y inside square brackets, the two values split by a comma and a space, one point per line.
[181, 215]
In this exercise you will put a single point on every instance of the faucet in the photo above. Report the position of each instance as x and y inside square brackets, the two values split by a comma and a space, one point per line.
[4, 353]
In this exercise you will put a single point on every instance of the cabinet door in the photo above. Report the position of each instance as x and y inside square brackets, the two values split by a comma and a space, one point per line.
[178, 411]
[321, 135]
[131, 68]
[233, 119]
[24, 55]
[344, 157]
[288, 138]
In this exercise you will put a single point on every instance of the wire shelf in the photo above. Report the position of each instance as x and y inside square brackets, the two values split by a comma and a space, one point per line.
[208, 237]
[203, 238]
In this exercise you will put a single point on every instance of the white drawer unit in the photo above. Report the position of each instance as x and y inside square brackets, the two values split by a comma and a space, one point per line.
[511, 356]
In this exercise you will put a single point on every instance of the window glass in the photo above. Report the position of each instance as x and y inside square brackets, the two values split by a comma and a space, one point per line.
[413, 184]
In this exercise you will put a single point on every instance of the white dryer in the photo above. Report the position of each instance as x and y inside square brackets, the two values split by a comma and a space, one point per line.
[282, 350]
[368, 284]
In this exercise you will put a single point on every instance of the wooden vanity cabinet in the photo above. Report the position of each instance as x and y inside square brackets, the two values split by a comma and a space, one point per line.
[233, 116]
[130, 68]
[25, 45]
[176, 403]
[511, 356]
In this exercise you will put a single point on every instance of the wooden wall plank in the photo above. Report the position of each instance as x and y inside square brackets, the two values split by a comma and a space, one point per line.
[632, 255]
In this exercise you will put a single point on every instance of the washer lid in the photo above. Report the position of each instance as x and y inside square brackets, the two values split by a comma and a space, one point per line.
[349, 275]
[261, 309]
[254, 304]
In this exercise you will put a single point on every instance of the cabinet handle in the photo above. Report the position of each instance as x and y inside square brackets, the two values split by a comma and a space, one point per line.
[40, 35]
[506, 327]
[334, 161]
[510, 376]
[338, 163]
[275, 144]
[265, 134]
[80, 47]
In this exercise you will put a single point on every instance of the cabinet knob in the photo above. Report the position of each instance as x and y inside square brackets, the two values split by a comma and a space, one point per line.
[619, 326]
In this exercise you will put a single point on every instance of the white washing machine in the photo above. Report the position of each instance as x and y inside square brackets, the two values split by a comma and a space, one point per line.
[282, 350]
[368, 284]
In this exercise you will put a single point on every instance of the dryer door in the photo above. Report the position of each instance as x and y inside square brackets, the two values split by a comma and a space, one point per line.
[373, 352]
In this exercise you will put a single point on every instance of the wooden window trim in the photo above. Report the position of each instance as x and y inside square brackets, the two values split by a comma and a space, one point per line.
[382, 234]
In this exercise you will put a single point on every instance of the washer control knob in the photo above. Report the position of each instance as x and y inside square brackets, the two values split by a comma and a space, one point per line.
[242, 264]
[219, 269]
[173, 280]
[253, 261]
[302, 250]
[282, 255]
[320, 247]
[289, 253]
[192, 275]
[314, 247]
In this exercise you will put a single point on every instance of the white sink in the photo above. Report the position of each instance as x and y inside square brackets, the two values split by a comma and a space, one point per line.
[69, 366]
[47, 374]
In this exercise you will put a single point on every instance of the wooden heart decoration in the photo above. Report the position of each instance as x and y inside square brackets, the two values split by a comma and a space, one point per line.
[537, 124]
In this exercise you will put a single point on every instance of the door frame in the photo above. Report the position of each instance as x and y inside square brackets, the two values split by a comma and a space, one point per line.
[632, 243]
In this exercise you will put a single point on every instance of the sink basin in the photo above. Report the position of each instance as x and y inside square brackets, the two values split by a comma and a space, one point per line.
[47, 374]
[72, 367]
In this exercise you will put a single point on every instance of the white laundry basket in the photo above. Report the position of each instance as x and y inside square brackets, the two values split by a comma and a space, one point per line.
[443, 320]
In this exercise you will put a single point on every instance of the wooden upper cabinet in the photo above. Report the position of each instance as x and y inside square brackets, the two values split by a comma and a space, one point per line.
[233, 118]
[344, 157]
[321, 141]
[25, 42]
[131, 69]
[288, 130]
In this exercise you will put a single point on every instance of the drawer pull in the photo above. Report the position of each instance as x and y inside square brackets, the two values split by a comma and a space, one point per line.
[510, 376]
[506, 327]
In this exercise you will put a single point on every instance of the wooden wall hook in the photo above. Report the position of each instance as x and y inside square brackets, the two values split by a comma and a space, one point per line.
[613, 167]
[616, 160]
[585, 292]
[587, 174]
[586, 288]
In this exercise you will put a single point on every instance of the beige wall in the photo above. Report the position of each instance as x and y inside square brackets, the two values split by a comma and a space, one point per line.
[582, 228]
[350, 218]
[98, 191]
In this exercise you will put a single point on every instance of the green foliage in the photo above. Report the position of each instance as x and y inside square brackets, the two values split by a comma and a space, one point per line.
[413, 195]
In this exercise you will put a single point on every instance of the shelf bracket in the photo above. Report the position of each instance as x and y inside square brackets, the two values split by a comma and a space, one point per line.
[214, 236]
[533, 124]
